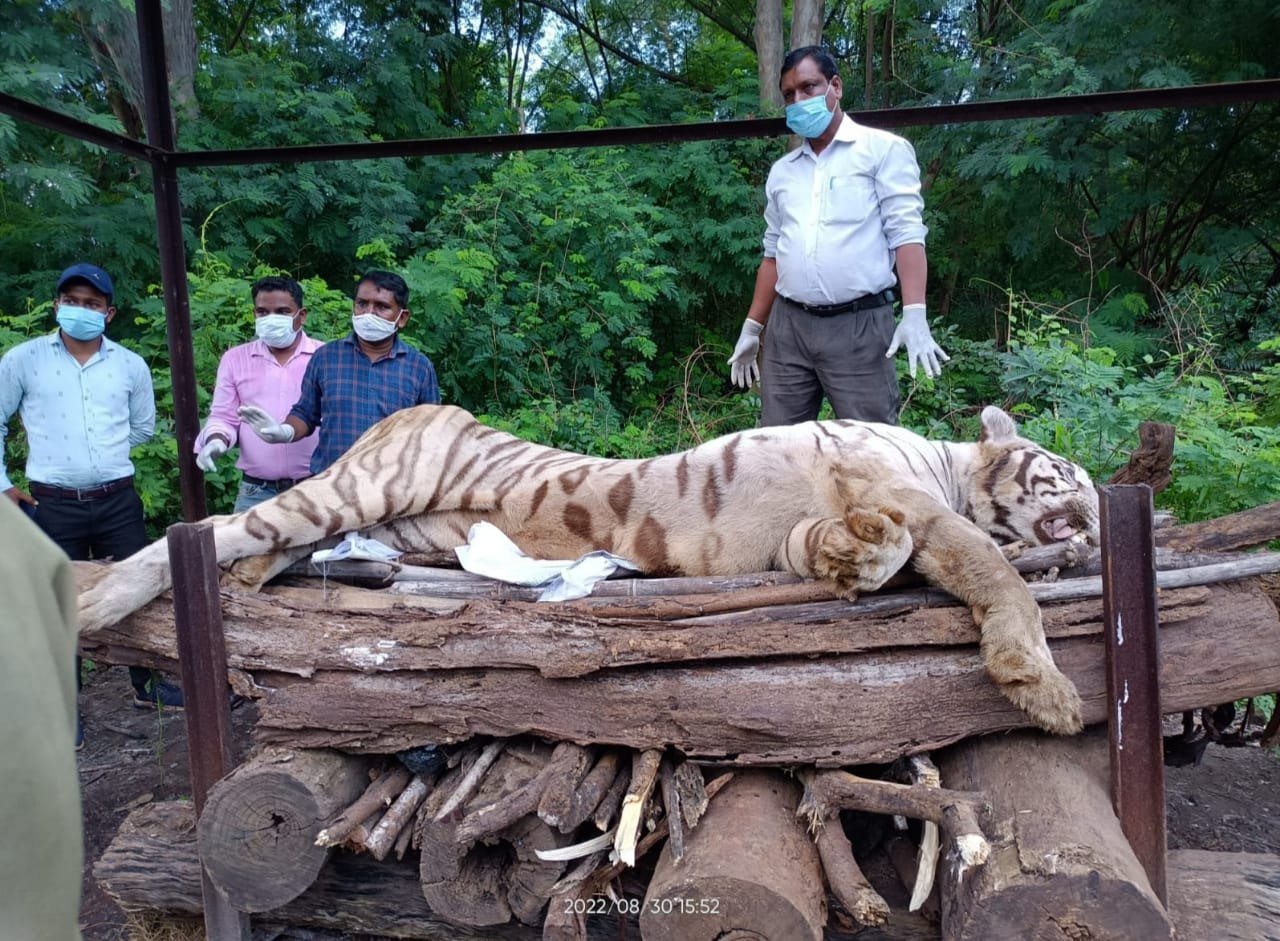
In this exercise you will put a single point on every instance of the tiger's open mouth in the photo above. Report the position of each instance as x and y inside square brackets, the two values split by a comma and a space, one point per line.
[1065, 526]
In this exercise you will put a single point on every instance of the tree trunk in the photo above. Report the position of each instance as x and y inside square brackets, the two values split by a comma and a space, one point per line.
[112, 28]
[749, 871]
[762, 711]
[259, 826]
[1060, 867]
[806, 23]
[768, 35]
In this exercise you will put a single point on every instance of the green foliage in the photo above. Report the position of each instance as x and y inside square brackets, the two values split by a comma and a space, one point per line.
[588, 299]
[543, 283]
[1083, 402]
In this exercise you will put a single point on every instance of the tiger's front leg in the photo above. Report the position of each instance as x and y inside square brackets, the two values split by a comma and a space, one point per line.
[952, 553]
[858, 552]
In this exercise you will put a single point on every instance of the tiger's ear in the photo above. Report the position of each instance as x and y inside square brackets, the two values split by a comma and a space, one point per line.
[997, 426]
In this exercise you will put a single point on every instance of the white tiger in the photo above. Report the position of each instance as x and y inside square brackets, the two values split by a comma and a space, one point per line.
[845, 501]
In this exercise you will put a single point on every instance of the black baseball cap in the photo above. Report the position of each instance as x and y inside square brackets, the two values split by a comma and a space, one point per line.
[96, 277]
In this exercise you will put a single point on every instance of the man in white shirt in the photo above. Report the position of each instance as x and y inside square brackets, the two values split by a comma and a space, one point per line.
[843, 210]
[85, 401]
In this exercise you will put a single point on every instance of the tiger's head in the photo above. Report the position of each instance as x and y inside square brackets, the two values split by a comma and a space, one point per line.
[1020, 491]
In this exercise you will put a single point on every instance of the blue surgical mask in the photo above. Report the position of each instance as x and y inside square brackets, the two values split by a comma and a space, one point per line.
[809, 118]
[81, 323]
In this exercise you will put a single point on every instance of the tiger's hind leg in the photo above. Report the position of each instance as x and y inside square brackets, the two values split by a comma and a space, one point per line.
[952, 553]
[858, 552]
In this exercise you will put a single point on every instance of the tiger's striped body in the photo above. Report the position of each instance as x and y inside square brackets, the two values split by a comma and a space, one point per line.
[839, 500]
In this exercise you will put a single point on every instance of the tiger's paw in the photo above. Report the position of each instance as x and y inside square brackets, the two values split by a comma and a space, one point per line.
[1031, 681]
[860, 552]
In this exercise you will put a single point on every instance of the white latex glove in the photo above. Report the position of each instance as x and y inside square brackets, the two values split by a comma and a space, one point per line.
[213, 449]
[913, 332]
[266, 427]
[743, 367]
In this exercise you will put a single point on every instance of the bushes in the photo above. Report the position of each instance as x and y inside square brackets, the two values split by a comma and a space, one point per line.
[546, 335]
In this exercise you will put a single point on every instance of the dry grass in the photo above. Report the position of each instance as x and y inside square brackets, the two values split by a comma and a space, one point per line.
[150, 926]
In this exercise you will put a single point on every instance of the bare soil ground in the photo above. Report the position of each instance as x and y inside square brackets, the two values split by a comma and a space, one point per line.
[1230, 802]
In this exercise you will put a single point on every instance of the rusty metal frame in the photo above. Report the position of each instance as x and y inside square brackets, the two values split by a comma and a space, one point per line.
[1131, 619]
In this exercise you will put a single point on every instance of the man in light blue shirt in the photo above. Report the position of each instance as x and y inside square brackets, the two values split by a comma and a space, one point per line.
[84, 402]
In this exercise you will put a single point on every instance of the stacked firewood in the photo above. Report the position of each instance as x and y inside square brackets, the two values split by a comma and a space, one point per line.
[518, 830]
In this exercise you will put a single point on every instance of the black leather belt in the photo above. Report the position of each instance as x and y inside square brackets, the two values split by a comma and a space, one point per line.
[866, 302]
[81, 494]
[283, 483]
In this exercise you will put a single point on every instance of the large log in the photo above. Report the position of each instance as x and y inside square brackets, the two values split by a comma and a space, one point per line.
[259, 825]
[1224, 645]
[304, 631]
[1060, 866]
[749, 871]
[1224, 896]
[1256, 526]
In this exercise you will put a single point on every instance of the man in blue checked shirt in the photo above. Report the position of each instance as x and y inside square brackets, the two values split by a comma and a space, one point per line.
[353, 383]
[84, 402]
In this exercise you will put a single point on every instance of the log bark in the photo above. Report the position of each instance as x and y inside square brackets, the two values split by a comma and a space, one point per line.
[691, 789]
[727, 884]
[375, 632]
[644, 774]
[592, 790]
[398, 817]
[845, 879]
[474, 883]
[1224, 896]
[152, 864]
[514, 803]
[556, 802]
[675, 814]
[1060, 867]
[258, 830]
[612, 800]
[1256, 526]
[762, 712]
[376, 797]
[1152, 460]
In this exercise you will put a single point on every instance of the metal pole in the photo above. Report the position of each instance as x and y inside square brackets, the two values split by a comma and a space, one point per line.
[173, 255]
[202, 662]
[1133, 675]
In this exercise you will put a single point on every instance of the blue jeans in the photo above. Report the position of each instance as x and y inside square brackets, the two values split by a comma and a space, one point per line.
[251, 495]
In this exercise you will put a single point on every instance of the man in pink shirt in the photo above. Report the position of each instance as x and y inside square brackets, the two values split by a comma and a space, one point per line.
[268, 372]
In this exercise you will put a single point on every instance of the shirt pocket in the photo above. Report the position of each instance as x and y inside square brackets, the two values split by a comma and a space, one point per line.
[849, 199]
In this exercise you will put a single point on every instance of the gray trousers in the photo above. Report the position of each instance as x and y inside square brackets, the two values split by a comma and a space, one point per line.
[807, 356]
